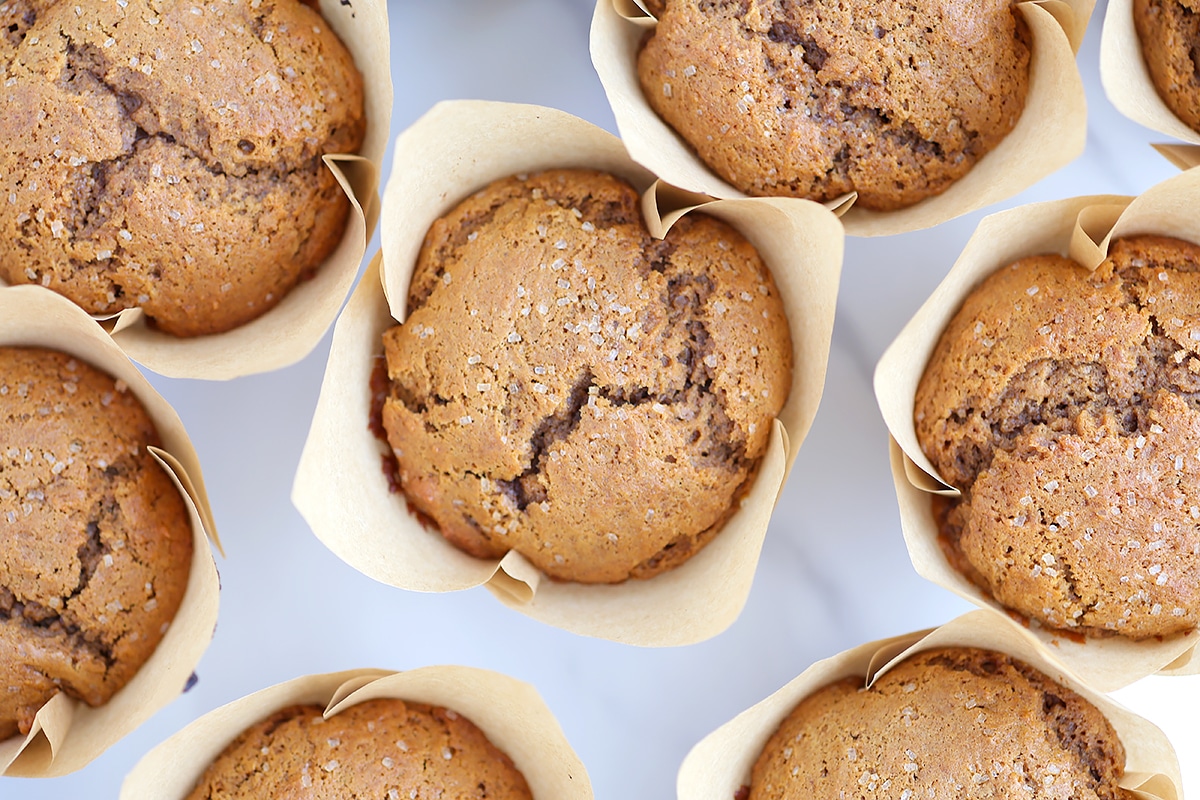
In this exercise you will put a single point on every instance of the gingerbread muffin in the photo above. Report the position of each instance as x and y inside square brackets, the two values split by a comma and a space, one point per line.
[893, 100]
[568, 387]
[1065, 405]
[1169, 31]
[167, 156]
[388, 749]
[957, 722]
[95, 540]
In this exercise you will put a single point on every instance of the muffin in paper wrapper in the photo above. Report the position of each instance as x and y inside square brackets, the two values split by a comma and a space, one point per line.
[291, 329]
[1127, 81]
[1050, 133]
[66, 733]
[340, 489]
[721, 762]
[511, 713]
[1081, 228]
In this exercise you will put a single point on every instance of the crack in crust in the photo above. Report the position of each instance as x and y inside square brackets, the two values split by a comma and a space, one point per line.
[1066, 407]
[552, 342]
[42, 620]
[171, 160]
[527, 487]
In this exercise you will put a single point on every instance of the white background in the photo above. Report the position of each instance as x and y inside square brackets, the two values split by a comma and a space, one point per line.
[834, 571]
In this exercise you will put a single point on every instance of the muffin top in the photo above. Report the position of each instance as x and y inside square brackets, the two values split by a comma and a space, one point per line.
[387, 749]
[95, 540]
[1169, 31]
[570, 388]
[894, 100]
[956, 722]
[1064, 405]
[167, 155]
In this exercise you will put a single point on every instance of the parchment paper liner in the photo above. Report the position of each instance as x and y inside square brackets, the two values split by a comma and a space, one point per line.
[721, 762]
[66, 733]
[454, 150]
[510, 712]
[289, 331]
[1050, 133]
[1126, 79]
[1080, 227]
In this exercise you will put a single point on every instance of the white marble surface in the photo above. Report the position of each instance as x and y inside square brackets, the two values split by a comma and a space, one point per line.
[834, 571]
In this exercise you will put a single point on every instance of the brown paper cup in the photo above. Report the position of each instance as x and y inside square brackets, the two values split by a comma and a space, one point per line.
[511, 713]
[1050, 133]
[340, 489]
[66, 733]
[290, 330]
[1080, 227]
[721, 763]
[1126, 79]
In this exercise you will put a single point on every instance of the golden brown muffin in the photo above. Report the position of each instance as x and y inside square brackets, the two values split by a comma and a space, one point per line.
[1169, 31]
[377, 750]
[954, 723]
[568, 387]
[893, 100]
[1064, 405]
[167, 155]
[95, 540]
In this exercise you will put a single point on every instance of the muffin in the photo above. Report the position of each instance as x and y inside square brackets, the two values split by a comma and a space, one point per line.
[95, 539]
[167, 156]
[954, 722]
[1169, 31]
[814, 100]
[1062, 404]
[568, 387]
[388, 749]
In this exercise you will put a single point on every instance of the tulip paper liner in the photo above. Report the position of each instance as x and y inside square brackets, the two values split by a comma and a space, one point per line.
[290, 330]
[66, 733]
[1082, 228]
[1127, 81]
[1050, 133]
[511, 713]
[456, 149]
[721, 762]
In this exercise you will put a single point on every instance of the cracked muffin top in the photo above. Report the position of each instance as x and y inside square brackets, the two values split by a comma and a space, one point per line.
[1065, 405]
[167, 155]
[1169, 32]
[894, 100]
[95, 540]
[568, 387]
[387, 749]
[957, 722]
